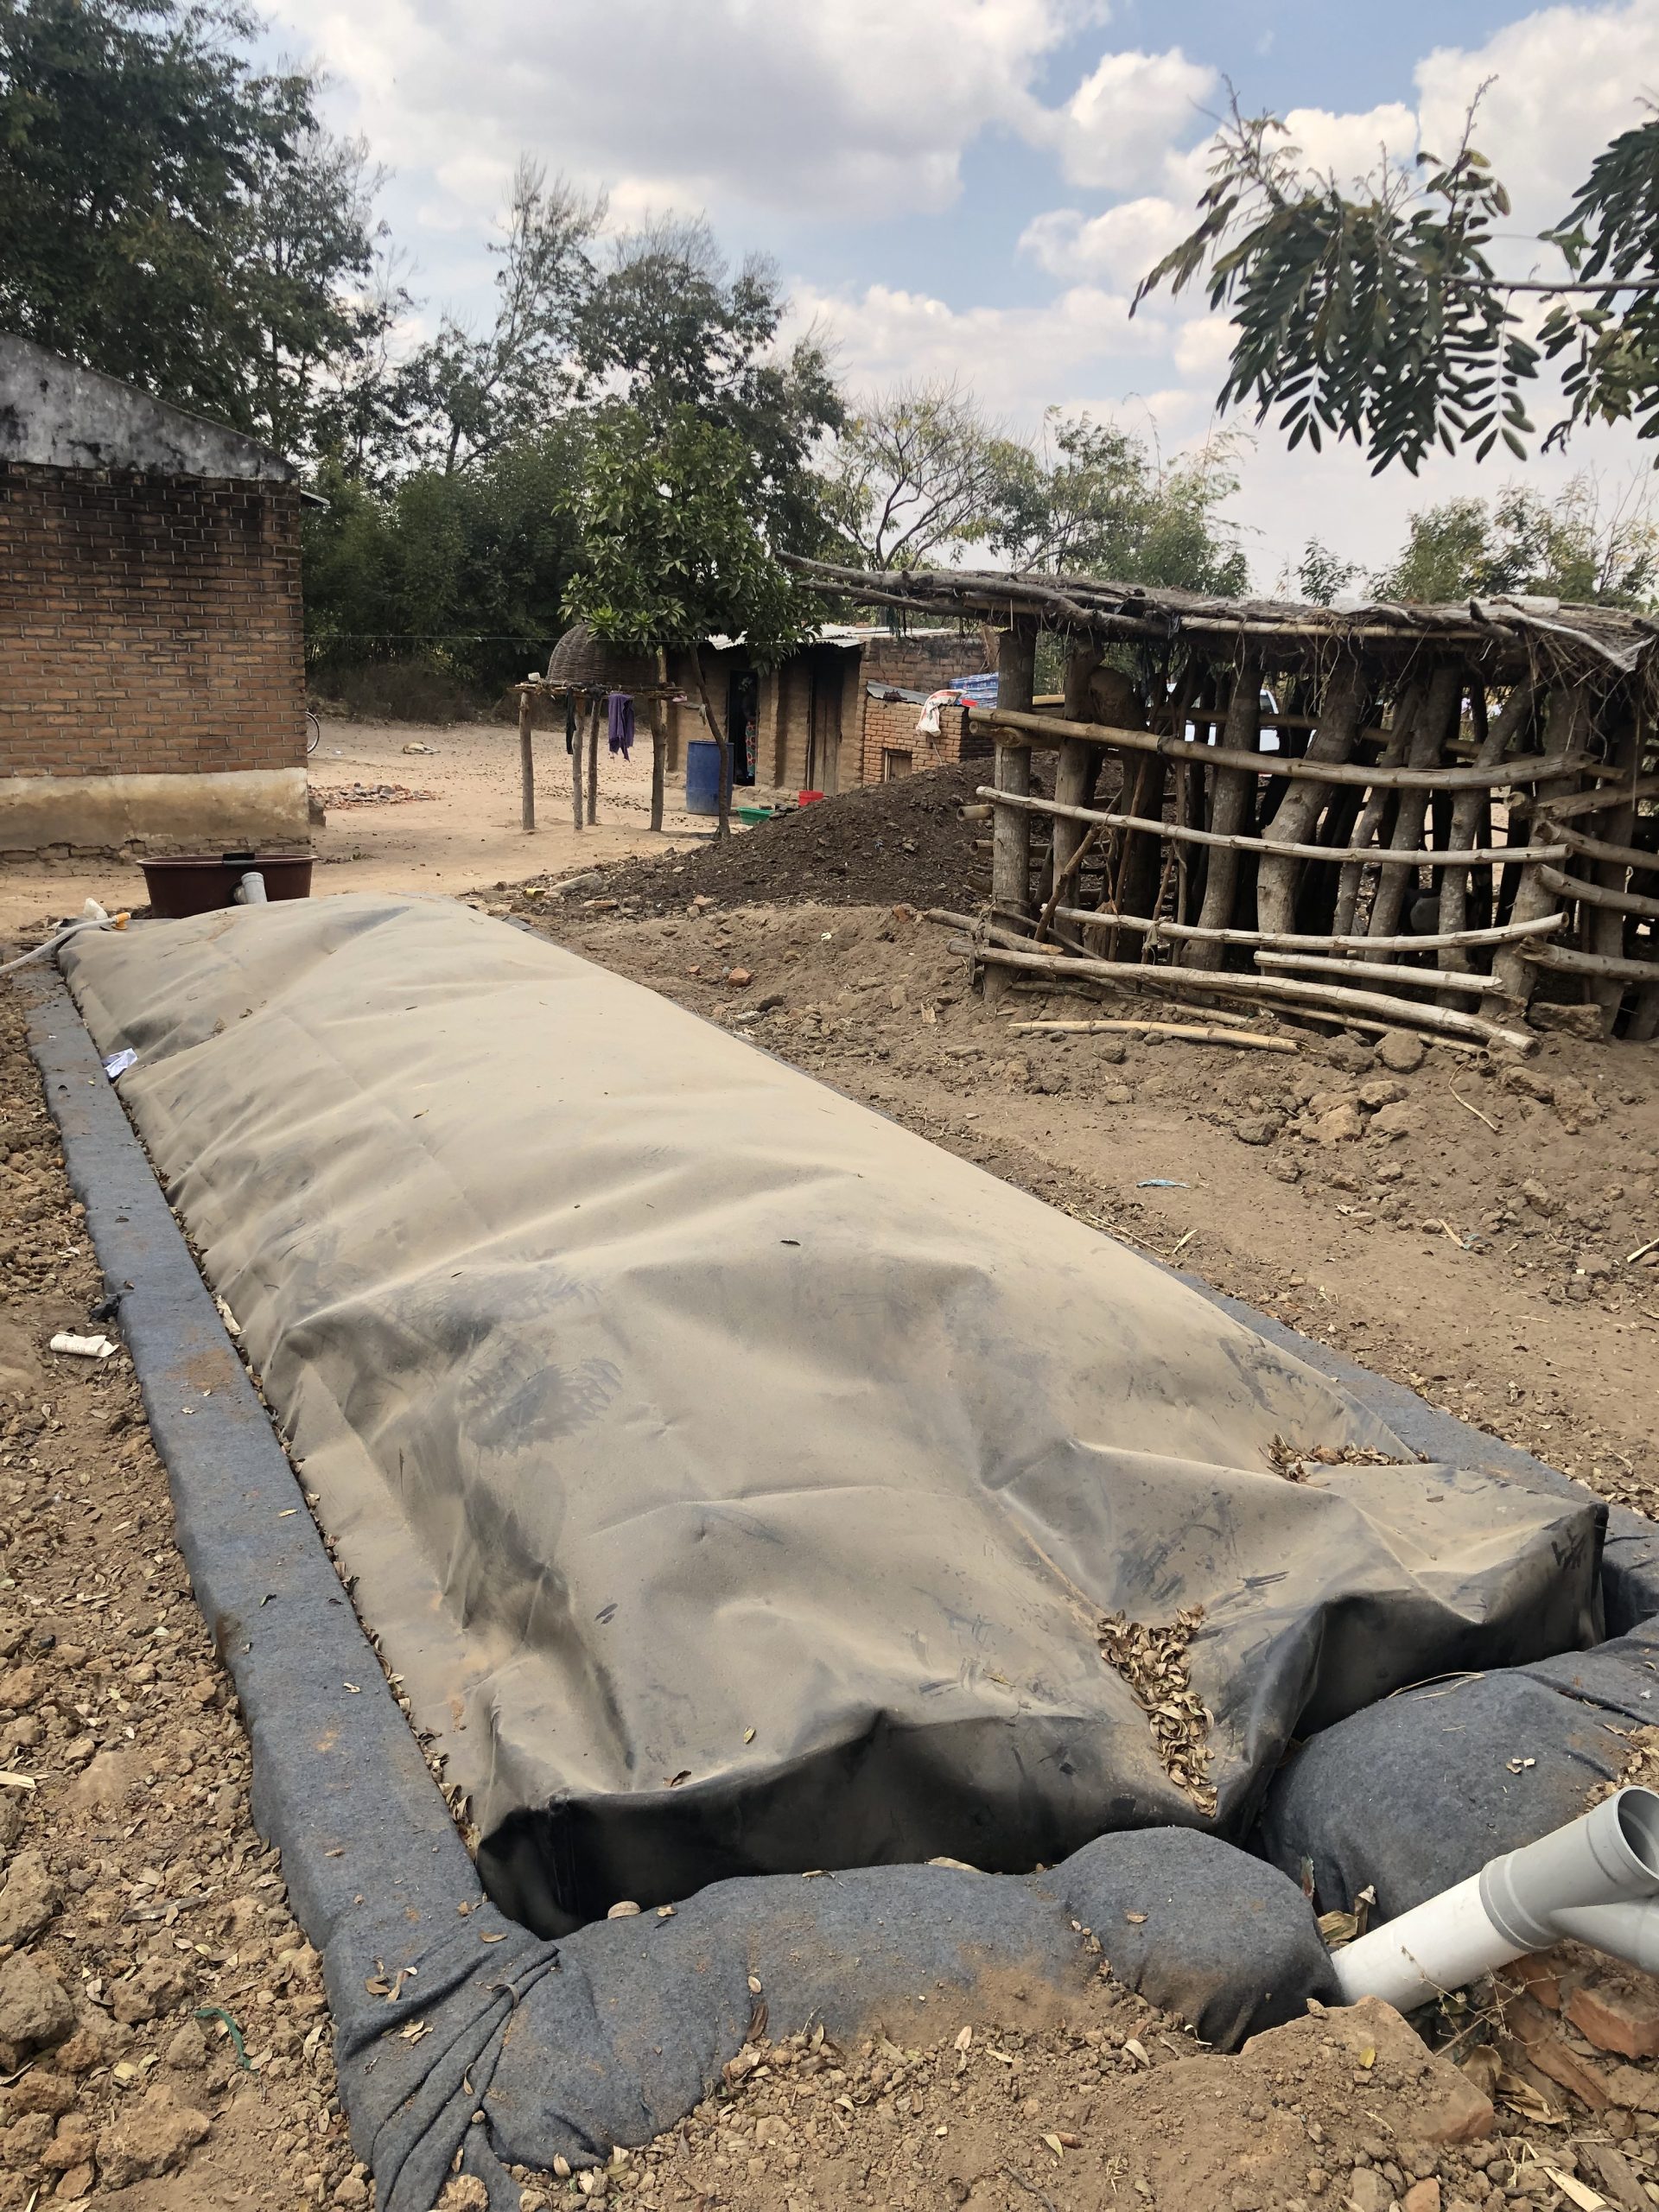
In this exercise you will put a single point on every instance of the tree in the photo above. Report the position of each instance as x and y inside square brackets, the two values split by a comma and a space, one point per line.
[468, 393]
[173, 216]
[1321, 573]
[458, 575]
[669, 325]
[672, 551]
[917, 471]
[1092, 499]
[1377, 316]
[1574, 548]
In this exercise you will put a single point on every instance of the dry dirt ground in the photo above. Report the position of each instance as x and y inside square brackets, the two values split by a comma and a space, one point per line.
[1468, 1228]
[467, 832]
[141, 1917]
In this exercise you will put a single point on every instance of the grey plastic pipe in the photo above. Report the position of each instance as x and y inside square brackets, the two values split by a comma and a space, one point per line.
[250, 892]
[1596, 1881]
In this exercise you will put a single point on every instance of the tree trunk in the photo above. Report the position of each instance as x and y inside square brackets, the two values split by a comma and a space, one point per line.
[717, 731]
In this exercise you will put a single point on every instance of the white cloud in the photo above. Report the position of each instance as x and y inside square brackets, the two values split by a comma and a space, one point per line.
[1117, 127]
[1564, 81]
[1116, 248]
[849, 107]
[1349, 147]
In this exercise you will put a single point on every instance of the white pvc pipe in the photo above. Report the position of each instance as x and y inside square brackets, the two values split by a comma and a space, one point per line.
[250, 892]
[1445, 1944]
[1596, 1881]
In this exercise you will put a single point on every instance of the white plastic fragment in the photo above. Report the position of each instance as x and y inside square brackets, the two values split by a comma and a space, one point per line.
[83, 1347]
[118, 1062]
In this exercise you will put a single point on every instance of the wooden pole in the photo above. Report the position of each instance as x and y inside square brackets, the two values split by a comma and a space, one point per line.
[1235, 792]
[1300, 807]
[1438, 722]
[1566, 720]
[576, 777]
[1196, 1036]
[526, 758]
[1606, 922]
[594, 714]
[1377, 971]
[658, 762]
[1074, 772]
[1500, 735]
[1482, 855]
[1016, 670]
[1182, 932]
[1372, 814]
[1449, 1019]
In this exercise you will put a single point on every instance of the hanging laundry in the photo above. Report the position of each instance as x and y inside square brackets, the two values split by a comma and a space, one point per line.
[620, 708]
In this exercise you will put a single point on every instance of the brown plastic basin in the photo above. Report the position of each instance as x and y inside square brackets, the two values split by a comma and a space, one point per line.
[197, 883]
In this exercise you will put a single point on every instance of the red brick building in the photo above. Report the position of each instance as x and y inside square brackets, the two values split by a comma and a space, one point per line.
[152, 694]
[842, 711]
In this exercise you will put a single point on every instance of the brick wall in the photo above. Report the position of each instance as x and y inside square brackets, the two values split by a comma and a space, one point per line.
[915, 664]
[148, 625]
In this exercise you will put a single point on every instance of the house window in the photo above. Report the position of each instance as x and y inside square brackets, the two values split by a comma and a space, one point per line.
[895, 763]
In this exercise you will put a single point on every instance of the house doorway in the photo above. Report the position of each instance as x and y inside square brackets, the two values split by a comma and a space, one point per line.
[826, 676]
[742, 718]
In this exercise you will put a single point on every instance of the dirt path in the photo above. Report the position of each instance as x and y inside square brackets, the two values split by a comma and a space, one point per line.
[467, 832]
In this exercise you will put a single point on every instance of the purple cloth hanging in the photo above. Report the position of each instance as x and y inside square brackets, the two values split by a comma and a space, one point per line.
[620, 710]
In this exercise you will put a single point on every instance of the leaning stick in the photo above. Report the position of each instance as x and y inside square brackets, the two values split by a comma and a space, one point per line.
[1407, 708]
[1330, 745]
[1235, 788]
[1437, 722]
[1404, 1012]
[1243, 1039]
[1378, 971]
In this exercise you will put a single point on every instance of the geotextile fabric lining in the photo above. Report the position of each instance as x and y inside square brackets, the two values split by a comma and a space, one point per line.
[736, 1481]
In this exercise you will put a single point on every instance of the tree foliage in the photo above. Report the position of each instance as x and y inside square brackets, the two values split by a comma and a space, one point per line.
[174, 216]
[466, 394]
[1094, 499]
[917, 474]
[673, 552]
[1376, 318]
[1376, 314]
[1576, 547]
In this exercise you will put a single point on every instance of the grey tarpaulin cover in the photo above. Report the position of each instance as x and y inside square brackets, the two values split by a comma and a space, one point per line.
[736, 1481]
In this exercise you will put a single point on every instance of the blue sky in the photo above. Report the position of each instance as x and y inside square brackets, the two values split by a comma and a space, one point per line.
[970, 188]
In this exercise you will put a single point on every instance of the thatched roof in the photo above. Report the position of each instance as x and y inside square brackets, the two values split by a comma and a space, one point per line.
[582, 661]
[1505, 635]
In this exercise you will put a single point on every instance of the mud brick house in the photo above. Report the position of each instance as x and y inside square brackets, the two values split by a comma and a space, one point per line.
[151, 666]
[842, 711]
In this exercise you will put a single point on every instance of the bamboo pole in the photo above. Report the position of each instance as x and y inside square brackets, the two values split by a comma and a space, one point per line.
[1183, 931]
[1378, 971]
[526, 758]
[1466, 816]
[1372, 1004]
[1053, 731]
[1482, 855]
[1302, 804]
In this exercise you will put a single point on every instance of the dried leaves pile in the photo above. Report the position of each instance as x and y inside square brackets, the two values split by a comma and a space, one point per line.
[1293, 1465]
[1153, 1661]
[1640, 1769]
